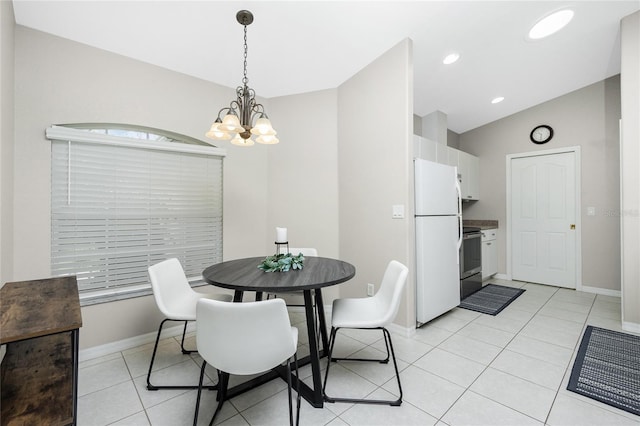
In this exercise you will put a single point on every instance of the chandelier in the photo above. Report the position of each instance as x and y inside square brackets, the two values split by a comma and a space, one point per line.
[244, 117]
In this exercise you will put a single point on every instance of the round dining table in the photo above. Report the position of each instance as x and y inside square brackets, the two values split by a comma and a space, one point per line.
[243, 275]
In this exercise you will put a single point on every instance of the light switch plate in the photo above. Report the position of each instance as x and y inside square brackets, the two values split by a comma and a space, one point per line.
[397, 211]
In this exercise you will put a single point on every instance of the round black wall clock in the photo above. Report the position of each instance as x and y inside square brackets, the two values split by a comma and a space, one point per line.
[541, 134]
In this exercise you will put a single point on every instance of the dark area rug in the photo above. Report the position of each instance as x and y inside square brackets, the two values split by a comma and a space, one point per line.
[491, 299]
[607, 368]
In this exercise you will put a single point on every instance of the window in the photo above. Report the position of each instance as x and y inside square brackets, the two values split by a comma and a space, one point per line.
[124, 199]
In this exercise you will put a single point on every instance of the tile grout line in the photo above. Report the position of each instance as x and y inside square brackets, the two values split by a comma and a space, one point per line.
[468, 389]
[144, 409]
[537, 314]
[570, 365]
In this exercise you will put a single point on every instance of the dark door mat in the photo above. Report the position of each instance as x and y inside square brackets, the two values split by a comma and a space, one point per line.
[607, 368]
[491, 299]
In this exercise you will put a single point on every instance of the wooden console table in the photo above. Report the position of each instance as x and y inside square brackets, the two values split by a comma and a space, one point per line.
[39, 323]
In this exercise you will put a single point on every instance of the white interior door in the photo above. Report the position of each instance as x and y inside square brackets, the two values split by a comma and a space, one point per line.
[543, 218]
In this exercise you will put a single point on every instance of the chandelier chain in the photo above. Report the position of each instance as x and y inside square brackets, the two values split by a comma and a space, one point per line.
[245, 80]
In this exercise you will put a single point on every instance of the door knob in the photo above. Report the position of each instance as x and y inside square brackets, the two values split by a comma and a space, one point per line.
[573, 226]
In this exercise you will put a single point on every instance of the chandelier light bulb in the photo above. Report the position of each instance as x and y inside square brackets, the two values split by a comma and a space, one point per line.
[216, 134]
[267, 139]
[230, 123]
[239, 141]
[263, 127]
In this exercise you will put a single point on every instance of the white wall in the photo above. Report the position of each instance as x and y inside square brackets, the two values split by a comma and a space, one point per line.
[58, 81]
[303, 171]
[303, 174]
[375, 126]
[7, 26]
[630, 76]
[588, 118]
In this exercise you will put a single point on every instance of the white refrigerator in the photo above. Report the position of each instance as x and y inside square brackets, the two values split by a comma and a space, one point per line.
[438, 216]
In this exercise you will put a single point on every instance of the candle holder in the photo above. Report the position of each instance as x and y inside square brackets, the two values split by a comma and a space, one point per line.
[279, 247]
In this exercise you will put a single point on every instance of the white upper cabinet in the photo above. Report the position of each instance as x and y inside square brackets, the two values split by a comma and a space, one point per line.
[468, 165]
[469, 175]
[474, 177]
[425, 148]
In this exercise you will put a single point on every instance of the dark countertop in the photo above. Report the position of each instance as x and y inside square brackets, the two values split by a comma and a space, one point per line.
[482, 224]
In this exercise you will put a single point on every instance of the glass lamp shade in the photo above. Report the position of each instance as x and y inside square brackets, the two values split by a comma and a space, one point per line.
[230, 123]
[217, 134]
[238, 141]
[267, 139]
[263, 127]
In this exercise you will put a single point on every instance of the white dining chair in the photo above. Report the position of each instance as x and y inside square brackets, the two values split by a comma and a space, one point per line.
[177, 301]
[373, 313]
[306, 251]
[244, 339]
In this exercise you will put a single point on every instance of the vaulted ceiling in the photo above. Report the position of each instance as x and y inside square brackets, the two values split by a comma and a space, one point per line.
[303, 46]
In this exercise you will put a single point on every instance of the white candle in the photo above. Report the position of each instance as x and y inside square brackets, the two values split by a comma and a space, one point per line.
[281, 235]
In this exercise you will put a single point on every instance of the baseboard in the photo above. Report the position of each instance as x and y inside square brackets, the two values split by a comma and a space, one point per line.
[132, 342]
[586, 289]
[501, 277]
[631, 326]
[402, 331]
[602, 291]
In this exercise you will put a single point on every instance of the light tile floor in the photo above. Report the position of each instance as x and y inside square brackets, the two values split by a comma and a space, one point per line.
[463, 368]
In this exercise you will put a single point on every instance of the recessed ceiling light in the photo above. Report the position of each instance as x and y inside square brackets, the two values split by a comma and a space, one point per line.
[451, 58]
[497, 100]
[551, 24]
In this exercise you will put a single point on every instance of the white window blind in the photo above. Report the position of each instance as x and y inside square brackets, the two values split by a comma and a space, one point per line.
[118, 207]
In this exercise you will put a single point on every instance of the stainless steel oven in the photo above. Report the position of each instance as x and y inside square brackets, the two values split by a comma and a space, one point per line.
[470, 261]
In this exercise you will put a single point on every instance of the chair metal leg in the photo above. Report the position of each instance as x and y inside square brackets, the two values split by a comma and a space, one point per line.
[195, 416]
[398, 401]
[295, 358]
[184, 332]
[388, 344]
[153, 387]
[289, 392]
[223, 384]
[289, 383]
[332, 339]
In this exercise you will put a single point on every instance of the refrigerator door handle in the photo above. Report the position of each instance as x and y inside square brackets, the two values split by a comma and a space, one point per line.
[459, 245]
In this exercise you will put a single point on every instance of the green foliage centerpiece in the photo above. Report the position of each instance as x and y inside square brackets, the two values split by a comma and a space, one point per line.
[282, 262]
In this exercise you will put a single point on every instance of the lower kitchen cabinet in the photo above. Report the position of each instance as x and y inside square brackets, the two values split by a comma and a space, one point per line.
[489, 253]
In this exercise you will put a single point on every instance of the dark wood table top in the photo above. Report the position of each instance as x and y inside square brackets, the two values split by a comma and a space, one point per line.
[244, 275]
[38, 308]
